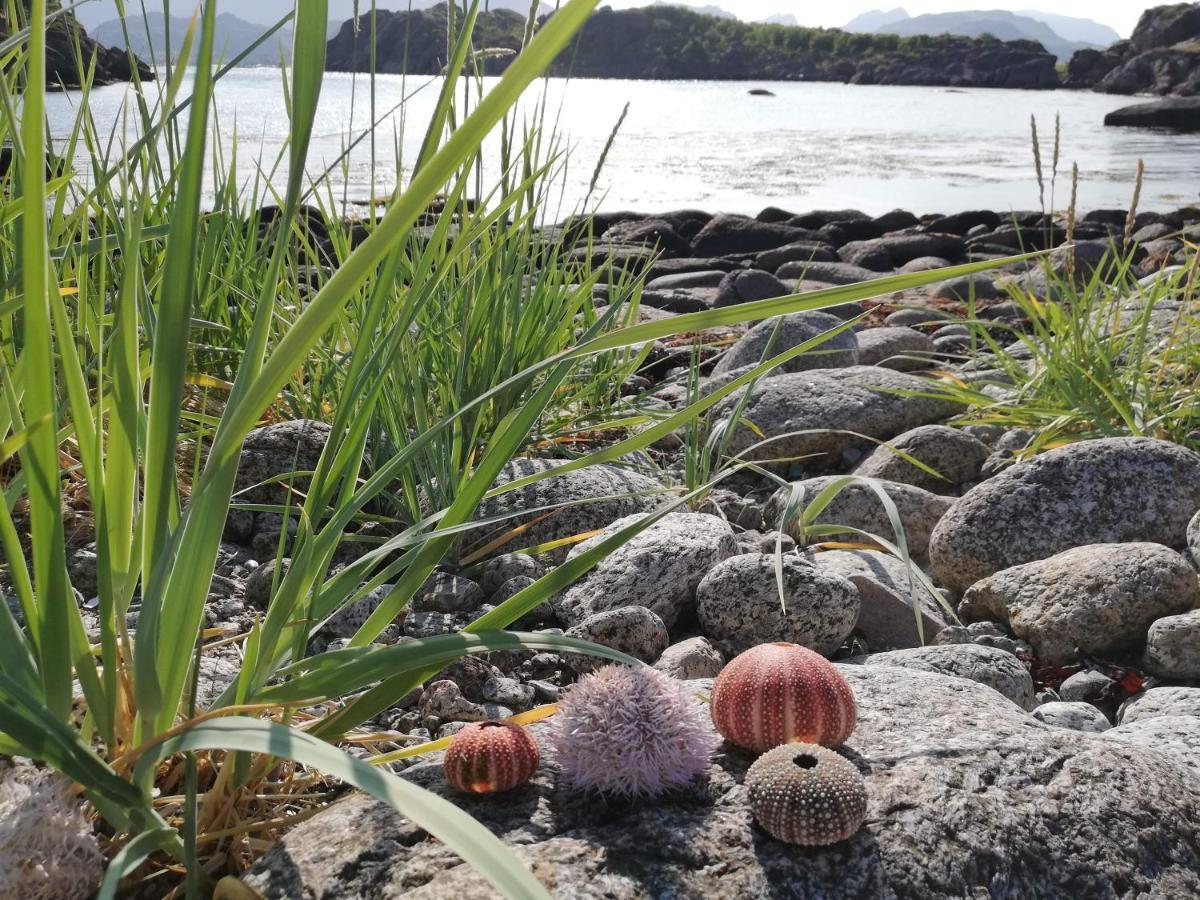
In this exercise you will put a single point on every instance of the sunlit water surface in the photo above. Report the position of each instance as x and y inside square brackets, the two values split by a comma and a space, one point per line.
[711, 145]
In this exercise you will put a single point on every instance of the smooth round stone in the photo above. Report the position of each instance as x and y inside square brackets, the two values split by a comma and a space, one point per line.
[1075, 716]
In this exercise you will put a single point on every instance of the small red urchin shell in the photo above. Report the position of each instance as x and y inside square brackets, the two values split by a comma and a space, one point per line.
[490, 757]
[782, 693]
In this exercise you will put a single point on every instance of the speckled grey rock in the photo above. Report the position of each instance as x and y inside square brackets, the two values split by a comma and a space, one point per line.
[828, 272]
[446, 593]
[1095, 599]
[695, 657]
[858, 506]
[683, 280]
[867, 254]
[739, 605]
[1112, 490]
[431, 624]
[508, 692]
[1193, 540]
[747, 285]
[985, 634]
[1177, 735]
[628, 492]
[824, 405]
[801, 251]
[895, 347]
[499, 569]
[658, 568]
[953, 329]
[470, 673]
[925, 264]
[954, 455]
[216, 674]
[795, 328]
[445, 701]
[257, 591]
[350, 619]
[968, 797]
[271, 451]
[1076, 716]
[913, 316]
[886, 620]
[966, 288]
[1086, 686]
[541, 615]
[999, 670]
[1171, 700]
[1173, 647]
[634, 630]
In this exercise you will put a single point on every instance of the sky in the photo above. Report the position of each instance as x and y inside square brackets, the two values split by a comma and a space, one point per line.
[1120, 14]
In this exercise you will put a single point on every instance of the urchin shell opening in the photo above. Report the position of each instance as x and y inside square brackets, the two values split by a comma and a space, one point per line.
[805, 760]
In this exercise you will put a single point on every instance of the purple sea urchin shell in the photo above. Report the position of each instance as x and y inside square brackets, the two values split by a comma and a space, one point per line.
[631, 732]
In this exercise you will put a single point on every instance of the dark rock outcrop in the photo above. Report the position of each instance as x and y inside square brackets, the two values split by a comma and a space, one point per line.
[1162, 57]
[112, 65]
[1176, 113]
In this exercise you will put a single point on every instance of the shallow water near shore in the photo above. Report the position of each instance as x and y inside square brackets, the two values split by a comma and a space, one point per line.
[713, 145]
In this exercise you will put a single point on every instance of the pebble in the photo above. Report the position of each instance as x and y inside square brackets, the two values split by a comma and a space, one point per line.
[509, 692]
[1075, 716]
[1086, 686]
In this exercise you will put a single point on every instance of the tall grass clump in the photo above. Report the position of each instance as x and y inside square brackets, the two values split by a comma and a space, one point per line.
[1095, 350]
[1105, 356]
[143, 313]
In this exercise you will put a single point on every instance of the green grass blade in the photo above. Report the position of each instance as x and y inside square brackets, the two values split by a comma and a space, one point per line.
[39, 460]
[347, 671]
[159, 669]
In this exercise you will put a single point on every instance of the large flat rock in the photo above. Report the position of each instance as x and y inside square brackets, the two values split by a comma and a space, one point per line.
[1175, 113]
[969, 797]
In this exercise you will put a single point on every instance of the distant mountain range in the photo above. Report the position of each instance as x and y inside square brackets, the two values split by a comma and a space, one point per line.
[1061, 35]
[233, 35]
[870, 22]
[714, 11]
[1085, 31]
[268, 12]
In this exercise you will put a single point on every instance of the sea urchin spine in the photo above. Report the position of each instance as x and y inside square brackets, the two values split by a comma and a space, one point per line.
[490, 757]
[779, 693]
[807, 795]
[631, 732]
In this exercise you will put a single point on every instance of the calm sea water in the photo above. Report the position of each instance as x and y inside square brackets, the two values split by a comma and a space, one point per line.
[712, 145]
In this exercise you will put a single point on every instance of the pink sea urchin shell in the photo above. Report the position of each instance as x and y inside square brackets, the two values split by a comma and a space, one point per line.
[778, 693]
[490, 757]
[631, 732]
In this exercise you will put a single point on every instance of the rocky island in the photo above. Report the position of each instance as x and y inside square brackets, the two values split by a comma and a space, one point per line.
[62, 71]
[667, 42]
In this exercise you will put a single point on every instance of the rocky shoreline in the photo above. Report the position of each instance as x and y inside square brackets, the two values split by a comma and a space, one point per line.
[1055, 716]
